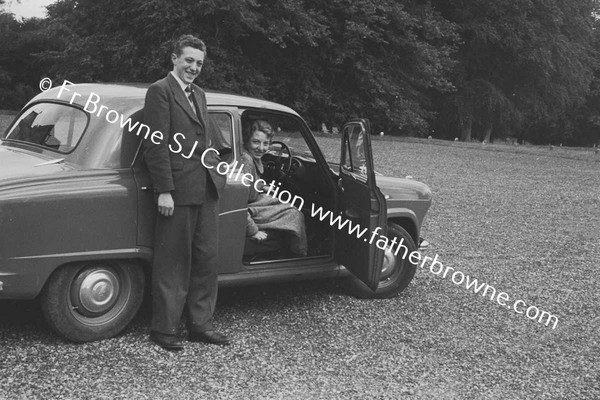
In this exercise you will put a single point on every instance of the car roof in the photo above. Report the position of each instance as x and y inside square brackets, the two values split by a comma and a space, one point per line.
[114, 93]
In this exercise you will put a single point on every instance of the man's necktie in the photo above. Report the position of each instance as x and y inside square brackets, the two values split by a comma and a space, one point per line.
[195, 107]
[191, 99]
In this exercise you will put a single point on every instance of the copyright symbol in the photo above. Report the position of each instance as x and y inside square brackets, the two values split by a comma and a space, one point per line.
[45, 84]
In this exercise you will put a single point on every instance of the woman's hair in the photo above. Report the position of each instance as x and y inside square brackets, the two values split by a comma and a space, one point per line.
[258, 125]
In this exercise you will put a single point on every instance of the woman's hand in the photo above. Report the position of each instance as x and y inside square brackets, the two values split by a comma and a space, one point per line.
[260, 235]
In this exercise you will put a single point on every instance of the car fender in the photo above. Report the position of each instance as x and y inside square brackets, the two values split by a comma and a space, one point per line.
[71, 216]
[407, 219]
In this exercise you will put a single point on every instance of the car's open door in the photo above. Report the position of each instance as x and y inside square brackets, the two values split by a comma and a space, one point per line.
[361, 205]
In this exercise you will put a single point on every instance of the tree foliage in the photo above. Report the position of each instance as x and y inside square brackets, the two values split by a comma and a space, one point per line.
[20, 69]
[478, 69]
[535, 58]
[328, 59]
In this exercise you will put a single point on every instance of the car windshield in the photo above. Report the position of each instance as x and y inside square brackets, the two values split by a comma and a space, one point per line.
[50, 125]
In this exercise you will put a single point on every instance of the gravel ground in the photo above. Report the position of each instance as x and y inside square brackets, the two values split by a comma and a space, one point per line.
[526, 224]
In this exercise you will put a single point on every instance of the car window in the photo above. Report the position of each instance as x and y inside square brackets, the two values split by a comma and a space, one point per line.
[354, 160]
[54, 126]
[224, 123]
[287, 129]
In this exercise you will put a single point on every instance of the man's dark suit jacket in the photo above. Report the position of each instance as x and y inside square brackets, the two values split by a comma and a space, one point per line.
[170, 169]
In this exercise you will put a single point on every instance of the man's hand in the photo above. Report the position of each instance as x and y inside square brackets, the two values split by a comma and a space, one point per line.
[260, 235]
[166, 204]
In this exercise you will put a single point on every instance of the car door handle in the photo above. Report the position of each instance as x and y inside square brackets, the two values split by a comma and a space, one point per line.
[341, 185]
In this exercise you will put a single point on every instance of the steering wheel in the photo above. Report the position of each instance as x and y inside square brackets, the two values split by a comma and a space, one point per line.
[283, 164]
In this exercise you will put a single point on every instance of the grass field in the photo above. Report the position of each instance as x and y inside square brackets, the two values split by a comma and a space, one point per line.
[524, 222]
[6, 118]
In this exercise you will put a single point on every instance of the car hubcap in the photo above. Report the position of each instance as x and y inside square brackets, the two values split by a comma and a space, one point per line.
[95, 292]
[389, 261]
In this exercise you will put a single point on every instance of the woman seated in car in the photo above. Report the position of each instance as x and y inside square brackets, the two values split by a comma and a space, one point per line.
[266, 214]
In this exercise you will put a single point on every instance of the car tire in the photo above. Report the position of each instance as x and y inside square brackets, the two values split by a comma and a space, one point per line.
[91, 301]
[396, 272]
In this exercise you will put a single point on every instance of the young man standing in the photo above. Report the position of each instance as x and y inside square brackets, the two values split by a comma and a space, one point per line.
[184, 270]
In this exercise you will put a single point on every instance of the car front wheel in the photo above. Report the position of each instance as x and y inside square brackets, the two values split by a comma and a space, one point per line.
[396, 272]
[94, 300]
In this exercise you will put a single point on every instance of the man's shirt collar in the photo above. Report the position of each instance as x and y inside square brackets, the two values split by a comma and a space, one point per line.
[182, 84]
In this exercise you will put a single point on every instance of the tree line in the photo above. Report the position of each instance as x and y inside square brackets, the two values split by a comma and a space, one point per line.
[489, 70]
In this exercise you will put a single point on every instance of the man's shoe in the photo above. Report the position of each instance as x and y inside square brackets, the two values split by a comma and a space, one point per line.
[212, 337]
[167, 342]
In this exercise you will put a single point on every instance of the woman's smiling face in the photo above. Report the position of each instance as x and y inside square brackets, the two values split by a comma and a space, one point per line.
[258, 144]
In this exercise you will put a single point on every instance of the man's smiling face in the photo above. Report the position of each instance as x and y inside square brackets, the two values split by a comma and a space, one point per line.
[188, 64]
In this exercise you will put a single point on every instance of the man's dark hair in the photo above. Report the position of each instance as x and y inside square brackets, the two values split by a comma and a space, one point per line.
[188, 41]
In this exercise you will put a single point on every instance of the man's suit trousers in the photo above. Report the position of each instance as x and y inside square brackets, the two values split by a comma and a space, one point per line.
[184, 270]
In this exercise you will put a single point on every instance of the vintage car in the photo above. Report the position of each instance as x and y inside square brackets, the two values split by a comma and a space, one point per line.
[77, 206]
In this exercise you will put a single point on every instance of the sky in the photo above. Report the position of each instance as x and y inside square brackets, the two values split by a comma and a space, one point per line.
[27, 8]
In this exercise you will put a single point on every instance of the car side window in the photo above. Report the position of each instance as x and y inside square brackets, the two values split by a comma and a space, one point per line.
[286, 128]
[54, 126]
[225, 124]
[354, 160]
